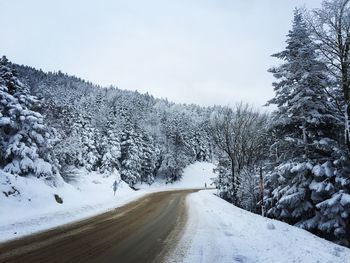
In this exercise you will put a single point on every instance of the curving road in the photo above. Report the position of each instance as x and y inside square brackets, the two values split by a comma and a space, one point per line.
[142, 231]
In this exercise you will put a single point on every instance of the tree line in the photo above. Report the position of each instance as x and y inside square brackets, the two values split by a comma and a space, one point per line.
[99, 129]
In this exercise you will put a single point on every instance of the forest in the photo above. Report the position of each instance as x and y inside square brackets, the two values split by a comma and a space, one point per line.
[291, 164]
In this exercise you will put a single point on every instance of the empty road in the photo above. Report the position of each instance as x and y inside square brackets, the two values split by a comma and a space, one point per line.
[141, 231]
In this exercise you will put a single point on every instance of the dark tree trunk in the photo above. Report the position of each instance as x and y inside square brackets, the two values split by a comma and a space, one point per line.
[233, 180]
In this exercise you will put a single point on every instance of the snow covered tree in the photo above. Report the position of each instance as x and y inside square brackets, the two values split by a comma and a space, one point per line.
[304, 117]
[298, 121]
[90, 137]
[306, 132]
[178, 153]
[110, 148]
[248, 193]
[148, 161]
[331, 195]
[224, 182]
[199, 138]
[69, 149]
[25, 139]
[130, 159]
[161, 130]
[330, 28]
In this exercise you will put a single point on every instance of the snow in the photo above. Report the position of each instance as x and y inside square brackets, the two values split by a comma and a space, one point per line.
[217, 231]
[345, 199]
[35, 209]
[197, 175]
[194, 176]
[4, 121]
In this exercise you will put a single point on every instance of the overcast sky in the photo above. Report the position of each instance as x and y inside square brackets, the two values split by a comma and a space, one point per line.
[192, 51]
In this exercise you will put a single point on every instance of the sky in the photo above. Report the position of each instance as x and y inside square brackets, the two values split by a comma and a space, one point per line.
[189, 51]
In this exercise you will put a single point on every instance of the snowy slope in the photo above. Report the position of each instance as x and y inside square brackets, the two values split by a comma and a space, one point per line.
[36, 209]
[220, 232]
[195, 176]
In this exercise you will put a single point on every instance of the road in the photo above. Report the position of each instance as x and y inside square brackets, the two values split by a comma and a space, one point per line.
[141, 231]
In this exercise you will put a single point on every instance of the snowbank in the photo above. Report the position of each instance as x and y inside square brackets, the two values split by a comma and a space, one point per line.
[220, 232]
[36, 209]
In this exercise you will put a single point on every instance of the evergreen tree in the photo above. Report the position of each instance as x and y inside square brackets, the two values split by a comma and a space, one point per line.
[304, 114]
[130, 160]
[306, 130]
[148, 162]
[110, 148]
[25, 139]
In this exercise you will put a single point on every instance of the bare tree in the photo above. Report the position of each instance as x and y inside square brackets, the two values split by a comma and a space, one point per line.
[223, 134]
[239, 133]
[330, 27]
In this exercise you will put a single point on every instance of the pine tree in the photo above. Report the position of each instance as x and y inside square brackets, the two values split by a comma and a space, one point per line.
[148, 162]
[25, 139]
[70, 147]
[90, 137]
[110, 149]
[304, 114]
[130, 160]
[303, 124]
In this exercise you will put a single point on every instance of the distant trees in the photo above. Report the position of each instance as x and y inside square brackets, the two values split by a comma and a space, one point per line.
[108, 130]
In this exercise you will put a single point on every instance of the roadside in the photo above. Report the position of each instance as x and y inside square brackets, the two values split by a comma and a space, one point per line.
[217, 231]
[36, 210]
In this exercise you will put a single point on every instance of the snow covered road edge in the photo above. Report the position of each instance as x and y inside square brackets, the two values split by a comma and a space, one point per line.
[217, 231]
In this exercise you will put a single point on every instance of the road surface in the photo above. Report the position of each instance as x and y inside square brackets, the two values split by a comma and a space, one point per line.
[142, 231]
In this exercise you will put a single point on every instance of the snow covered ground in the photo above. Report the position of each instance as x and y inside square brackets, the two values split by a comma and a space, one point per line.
[195, 176]
[220, 232]
[36, 209]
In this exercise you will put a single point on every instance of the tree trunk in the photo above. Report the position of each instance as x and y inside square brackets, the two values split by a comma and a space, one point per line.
[305, 140]
[347, 126]
[262, 192]
[233, 180]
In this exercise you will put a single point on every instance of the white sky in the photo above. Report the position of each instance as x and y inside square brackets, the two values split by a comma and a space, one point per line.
[192, 51]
